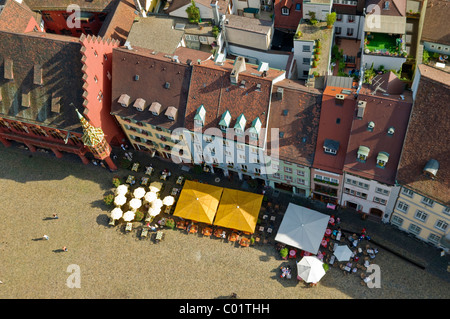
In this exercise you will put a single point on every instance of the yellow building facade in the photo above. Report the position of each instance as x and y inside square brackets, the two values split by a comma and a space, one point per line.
[421, 216]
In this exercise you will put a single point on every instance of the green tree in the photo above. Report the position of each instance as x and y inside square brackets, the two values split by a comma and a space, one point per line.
[193, 13]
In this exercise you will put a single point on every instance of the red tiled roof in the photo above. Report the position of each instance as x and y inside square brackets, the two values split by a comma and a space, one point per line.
[118, 22]
[154, 71]
[427, 137]
[290, 21]
[330, 129]
[211, 87]
[96, 5]
[297, 116]
[396, 7]
[437, 24]
[15, 17]
[385, 112]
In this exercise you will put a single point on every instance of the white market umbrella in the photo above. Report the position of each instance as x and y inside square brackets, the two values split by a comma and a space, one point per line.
[120, 200]
[122, 189]
[135, 203]
[153, 211]
[128, 216]
[343, 253]
[168, 200]
[310, 269]
[116, 213]
[157, 203]
[139, 192]
[302, 228]
[150, 196]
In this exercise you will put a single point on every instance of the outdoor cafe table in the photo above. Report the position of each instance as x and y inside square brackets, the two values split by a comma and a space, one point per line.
[233, 237]
[130, 179]
[180, 180]
[135, 167]
[144, 181]
[207, 231]
[174, 191]
[149, 170]
[244, 242]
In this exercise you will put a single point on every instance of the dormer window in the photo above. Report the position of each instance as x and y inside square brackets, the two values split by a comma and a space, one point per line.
[155, 108]
[239, 127]
[255, 128]
[363, 153]
[285, 11]
[330, 146]
[124, 100]
[370, 126]
[139, 104]
[224, 122]
[171, 113]
[431, 168]
[199, 118]
[391, 131]
[382, 159]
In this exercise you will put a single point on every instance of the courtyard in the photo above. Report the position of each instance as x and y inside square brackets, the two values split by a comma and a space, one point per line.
[114, 264]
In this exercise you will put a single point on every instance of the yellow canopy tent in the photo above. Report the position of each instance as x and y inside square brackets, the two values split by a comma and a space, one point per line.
[198, 202]
[238, 210]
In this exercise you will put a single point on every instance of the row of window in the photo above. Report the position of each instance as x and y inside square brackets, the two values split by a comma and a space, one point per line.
[424, 200]
[290, 179]
[326, 179]
[416, 230]
[421, 215]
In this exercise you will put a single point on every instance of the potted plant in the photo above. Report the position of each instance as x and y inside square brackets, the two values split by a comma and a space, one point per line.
[108, 199]
[138, 216]
[314, 65]
[284, 252]
[116, 181]
[170, 223]
[316, 57]
[331, 19]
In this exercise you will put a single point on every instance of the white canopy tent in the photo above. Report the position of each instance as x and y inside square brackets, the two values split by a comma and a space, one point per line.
[343, 253]
[302, 228]
[310, 269]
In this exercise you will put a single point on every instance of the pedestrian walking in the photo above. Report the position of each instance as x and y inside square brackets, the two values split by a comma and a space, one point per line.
[45, 237]
[65, 248]
[55, 216]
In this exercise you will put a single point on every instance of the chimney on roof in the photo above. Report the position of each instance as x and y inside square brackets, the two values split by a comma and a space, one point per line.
[280, 93]
[215, 10]
[239, 66]
[340, 99]
[360, 109]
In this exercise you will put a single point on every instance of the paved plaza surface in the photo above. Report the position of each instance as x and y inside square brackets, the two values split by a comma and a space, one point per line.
[114, 264]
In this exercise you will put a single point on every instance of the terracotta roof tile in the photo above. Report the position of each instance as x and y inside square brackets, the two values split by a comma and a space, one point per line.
[154, 71]
[297, 115]
[211, 87]
[15, 17]
[437, 24]
[119, 21]
[290, 21]
[385, 112]
[60, 60]
[332, 128]
[427, 138]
